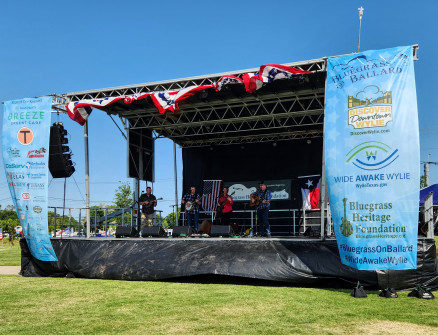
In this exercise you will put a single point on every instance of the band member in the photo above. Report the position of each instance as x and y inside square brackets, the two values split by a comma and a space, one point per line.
[147, 201]
[192, 200]
[225, 206]
[263, 208]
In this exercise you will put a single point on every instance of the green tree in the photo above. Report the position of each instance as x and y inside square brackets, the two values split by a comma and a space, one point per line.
[123, 195]
[423, 182]
[170, 221]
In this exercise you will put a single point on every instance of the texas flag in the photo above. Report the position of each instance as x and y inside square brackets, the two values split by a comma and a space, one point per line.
[310, 191]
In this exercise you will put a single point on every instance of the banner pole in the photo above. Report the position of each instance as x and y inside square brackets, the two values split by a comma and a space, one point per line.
[87, 180]
[176, 183]
[323, 189]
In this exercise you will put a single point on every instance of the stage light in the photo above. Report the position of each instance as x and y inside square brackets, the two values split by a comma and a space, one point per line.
[274, 144]
[309, 141]
[242, 147]
[211, 148]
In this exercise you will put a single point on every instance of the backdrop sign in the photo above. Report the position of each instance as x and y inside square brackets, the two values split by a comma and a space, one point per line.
[372, 158]
[280, 189]
[25, 147]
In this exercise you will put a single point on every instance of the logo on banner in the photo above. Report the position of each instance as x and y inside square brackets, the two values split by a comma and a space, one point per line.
[37, 209]
[35, 165]
[25, 195]
[15, 166]
[370, 108]
[346, 228]
[36, 153]
[372, 155]
[13, 153]
[25, 136]
[14, 175]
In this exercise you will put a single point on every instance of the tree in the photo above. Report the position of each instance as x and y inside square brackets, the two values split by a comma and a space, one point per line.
[423, 182]
[123, 195]
[8, 221]
[170, 221]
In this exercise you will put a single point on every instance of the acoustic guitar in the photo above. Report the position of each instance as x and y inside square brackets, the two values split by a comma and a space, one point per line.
[256, 200]
[222, 205]
[151, 203]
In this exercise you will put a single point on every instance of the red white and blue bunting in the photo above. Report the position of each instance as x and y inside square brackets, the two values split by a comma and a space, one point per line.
[168, 101]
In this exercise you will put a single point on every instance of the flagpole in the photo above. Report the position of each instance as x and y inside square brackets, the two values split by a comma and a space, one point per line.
[360, 25]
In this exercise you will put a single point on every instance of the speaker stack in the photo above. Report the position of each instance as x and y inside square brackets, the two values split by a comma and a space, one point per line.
[60, 163]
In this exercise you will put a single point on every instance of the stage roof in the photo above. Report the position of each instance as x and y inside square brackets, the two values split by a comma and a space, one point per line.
[281, 110]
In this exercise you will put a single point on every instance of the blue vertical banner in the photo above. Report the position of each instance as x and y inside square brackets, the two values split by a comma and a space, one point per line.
[372, 159]
[25, 147]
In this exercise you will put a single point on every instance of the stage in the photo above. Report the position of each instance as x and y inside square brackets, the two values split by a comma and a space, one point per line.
[298, 262]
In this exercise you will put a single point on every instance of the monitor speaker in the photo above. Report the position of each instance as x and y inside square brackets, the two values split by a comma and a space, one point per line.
[182, 230]
[153, 231]
[126, 231]
[221, 231]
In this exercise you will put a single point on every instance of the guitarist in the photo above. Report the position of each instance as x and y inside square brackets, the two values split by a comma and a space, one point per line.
[263, 208]
[225, 206]
[148, 202]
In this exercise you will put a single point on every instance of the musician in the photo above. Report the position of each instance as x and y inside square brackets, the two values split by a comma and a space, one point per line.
[263, 208]
[192, 214]
[225, 206]
[147, 201]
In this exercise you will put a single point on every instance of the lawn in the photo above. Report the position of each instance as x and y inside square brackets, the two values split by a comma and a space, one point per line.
[10, 255]
[86, 306]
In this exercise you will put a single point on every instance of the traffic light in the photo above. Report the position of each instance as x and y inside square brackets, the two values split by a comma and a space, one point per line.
[60, 163]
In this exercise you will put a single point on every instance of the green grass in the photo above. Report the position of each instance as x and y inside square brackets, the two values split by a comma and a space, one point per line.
[10, 255]
[86, 306]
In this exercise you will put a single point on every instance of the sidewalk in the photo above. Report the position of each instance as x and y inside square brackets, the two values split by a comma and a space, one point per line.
[9, 270]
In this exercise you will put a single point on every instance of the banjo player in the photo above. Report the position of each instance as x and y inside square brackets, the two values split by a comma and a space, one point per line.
[192, 201]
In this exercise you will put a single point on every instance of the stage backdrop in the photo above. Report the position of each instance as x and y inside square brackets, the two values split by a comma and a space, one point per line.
[248, 164]
[25, 145]
[372, 158]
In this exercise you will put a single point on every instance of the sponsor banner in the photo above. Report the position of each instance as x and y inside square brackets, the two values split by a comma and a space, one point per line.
[372, 158]
[280, 189]
[25, 143]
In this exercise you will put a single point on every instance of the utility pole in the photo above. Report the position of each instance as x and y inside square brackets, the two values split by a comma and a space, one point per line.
[426, 170]
[360, 25]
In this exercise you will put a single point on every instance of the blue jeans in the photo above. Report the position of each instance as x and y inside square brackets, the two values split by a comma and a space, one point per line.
[192, 220]
[262, 217]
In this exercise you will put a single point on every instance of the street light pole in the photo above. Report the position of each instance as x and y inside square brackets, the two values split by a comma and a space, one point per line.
[360, 25]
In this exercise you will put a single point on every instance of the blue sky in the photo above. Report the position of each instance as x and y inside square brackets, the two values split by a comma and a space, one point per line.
[59, 47]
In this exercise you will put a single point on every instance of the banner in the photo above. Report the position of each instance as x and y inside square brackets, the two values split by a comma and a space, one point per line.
[280, 189]
[25, 147]
[371, 148]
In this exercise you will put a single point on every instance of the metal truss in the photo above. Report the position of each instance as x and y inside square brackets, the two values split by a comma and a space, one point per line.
[254, 118]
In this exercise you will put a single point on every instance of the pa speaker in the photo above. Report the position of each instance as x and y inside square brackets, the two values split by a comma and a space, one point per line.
[182, 230]
[126, 231]
[224, 231]
[153, 231]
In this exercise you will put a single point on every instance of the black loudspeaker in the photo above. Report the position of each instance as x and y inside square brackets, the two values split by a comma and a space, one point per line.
[224, 231]
[182, 230]
[60, 164]
[126, 231]
[154, 231]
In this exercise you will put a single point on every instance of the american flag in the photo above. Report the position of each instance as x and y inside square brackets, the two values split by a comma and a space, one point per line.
[210, 194]
[1, 233]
